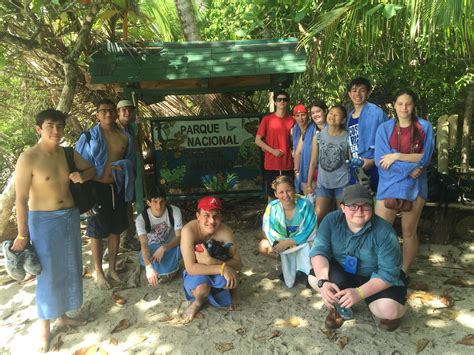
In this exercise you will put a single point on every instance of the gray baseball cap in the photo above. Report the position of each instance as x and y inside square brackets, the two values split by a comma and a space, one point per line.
[125, 103]
[357, 194]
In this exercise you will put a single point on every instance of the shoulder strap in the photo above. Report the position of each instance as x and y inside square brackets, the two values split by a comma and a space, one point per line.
[69, 152]
[146, 218]
[170, 214]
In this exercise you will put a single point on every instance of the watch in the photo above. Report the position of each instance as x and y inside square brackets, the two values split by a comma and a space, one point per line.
[321, 282]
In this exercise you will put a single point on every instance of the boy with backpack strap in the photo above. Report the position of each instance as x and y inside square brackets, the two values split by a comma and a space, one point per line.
[159, 231]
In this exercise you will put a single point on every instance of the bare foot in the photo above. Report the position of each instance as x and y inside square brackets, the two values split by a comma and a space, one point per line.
[114, 276]
[193, 312]
[44, 336]
[101, 281]
[65, 321]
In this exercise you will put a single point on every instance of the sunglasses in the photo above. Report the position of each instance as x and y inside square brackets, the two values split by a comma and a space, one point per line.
[104, 110]
[363, 207]
[281, 99]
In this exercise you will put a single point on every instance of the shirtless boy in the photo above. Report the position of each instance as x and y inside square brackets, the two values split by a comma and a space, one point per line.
[205, 277]
[110, 151]
[46, 215]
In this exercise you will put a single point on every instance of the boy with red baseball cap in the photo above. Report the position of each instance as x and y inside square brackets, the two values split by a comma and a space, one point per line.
[207, 277]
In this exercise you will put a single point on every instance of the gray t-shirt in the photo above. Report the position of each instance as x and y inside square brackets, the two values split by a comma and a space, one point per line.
[333, 171]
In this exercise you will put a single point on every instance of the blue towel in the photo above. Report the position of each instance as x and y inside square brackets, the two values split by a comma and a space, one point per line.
[169, 262]
[218, 297]
[95, 151]
[56, 237]
[125, 178]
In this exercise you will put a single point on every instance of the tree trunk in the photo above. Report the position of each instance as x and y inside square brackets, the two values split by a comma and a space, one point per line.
[466, 138]
[188, 20]
[7, 201]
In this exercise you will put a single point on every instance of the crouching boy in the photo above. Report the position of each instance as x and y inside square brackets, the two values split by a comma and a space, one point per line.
[159, 231]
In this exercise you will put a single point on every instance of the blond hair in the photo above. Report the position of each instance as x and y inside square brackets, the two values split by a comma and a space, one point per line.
[282, 179]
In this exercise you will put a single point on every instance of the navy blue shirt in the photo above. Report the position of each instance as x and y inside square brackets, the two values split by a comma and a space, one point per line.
[375, 246]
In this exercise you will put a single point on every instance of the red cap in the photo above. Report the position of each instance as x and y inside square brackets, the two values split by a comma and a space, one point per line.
[210, 203]
[299, 109]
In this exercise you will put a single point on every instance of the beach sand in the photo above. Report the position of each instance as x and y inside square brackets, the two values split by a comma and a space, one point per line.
[272, 319]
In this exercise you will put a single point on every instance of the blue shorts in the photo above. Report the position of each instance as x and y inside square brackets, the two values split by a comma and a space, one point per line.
[218, 297]
[335, 194]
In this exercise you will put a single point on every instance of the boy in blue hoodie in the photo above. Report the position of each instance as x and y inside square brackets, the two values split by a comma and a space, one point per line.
[362, 124]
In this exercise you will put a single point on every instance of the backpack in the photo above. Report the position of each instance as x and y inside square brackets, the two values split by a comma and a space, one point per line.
[146, 218]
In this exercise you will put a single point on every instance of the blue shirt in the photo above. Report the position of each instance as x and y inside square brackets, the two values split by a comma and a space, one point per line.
[375, 246]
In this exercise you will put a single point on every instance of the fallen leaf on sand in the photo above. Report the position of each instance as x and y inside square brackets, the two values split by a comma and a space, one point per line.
[328, 333]
[141, 339]
[275, 334]
[421, 344]
[467, 340]
[241, 331]
[418, 285]
[123, 324]
[223, 347]
[87, 274]
[459, 281]
[119, 300]
[448, 301]
[57, 345]
[426, 297]
[113, 341]
[342, 342]
[91, 350]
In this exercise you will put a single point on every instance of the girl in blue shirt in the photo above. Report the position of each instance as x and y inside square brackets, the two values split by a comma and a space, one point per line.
[403, 149]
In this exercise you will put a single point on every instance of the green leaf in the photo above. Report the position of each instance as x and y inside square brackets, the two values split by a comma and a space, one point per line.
[374, 10]
[300, 15]
[107, 14]
[390, 10]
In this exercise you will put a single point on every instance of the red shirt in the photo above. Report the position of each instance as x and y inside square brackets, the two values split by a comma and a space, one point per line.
[403, 145]
[276, 133]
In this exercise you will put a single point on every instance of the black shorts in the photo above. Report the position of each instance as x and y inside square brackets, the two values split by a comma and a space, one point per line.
[112, 212]
[345, 280]
[270, 175]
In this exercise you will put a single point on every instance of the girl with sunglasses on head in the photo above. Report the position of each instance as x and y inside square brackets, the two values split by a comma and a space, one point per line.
[318, 116]
[403, 149]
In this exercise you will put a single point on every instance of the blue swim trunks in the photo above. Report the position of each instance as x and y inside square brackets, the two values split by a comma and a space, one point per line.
[218, 297]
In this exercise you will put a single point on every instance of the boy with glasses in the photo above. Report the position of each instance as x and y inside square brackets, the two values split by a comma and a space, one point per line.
[356, 256]
[274, 138]
[110, 150]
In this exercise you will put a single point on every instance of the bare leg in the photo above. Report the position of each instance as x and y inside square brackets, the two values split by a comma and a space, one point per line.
[323, 207]
[234, 293]
[44, 336]
[386, 308]
[410, 237]
[113, 244]
[386, 213]
[200, 293]
[97, 253]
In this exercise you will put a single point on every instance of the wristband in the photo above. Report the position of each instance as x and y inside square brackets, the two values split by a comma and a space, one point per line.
[361, 293]
[21, 237]
[149, 271]
[222, 269]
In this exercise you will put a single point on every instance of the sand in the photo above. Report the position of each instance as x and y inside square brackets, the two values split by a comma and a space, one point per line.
[272, 318]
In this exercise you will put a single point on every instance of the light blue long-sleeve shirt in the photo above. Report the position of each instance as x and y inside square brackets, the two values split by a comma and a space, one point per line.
[95, 151]
[396, 182]
[375, 246]
[371, 117]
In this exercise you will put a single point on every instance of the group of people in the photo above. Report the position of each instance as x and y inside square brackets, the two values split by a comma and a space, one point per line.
[349, 255]
[367, 168]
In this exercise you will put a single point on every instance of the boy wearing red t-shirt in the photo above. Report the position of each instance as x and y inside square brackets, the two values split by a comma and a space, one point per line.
[273, 137]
